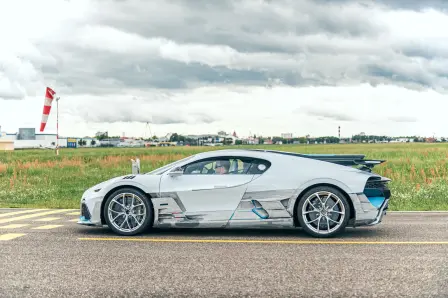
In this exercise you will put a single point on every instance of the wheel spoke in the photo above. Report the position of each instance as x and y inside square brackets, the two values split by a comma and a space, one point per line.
[311, 211]
[326, 200]
[332, 208]
[136, 220]
[332, 220]
[120, 214]
[308, 222]
[115, 201]
[320, 200]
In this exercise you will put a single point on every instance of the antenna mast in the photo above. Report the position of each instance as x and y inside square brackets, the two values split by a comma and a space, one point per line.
[148, 128]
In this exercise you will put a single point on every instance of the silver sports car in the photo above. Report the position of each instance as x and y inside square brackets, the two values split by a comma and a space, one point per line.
[243, 188]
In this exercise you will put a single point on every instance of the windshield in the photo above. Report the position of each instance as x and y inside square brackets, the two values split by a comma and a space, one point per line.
[163, 169]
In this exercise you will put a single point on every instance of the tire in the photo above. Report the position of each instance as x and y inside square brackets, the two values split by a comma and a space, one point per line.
[131, 220]
[338, 217]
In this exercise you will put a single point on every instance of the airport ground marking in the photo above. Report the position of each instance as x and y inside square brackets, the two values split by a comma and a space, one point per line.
[47, 227]
[6, 214]
[14, 226]
[47, 219]
[10, 236]
[5, 220]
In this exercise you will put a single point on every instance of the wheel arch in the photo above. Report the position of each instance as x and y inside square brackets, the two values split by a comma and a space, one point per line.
[112, 190]
[299, 197]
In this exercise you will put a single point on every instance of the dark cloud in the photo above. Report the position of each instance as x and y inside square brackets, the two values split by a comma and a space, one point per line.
[177, 45]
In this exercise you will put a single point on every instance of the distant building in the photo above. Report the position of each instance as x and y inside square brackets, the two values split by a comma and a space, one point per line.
[6, 145]
[26, 134]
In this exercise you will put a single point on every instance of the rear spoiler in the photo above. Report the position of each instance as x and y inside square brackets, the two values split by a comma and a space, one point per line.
[347, 160]
[340, 159]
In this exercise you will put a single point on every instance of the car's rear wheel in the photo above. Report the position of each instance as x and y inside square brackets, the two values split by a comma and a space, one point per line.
[323, 211]
[128, 211]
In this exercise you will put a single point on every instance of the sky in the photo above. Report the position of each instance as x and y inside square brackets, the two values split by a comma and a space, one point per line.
[250, 66]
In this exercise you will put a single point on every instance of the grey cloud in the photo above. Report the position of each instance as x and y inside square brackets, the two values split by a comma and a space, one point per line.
[11, 96]
[403, 119]
[326, 114]
[396, 4]
[119, 111]
[295, 43]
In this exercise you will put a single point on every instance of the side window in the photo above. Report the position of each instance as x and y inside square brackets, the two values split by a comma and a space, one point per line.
[219, 166]
[200, 167]
[259, 166]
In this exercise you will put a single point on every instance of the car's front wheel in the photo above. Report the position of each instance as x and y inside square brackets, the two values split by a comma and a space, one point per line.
[128, 211]
[323, 211]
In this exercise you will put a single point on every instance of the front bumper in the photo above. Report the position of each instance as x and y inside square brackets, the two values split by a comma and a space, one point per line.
[90, 210]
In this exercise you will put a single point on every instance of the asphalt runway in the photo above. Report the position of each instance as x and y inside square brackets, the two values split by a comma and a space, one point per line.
[44, 253]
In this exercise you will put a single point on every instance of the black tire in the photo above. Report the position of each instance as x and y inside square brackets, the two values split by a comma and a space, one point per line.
[147, 222]
[343, 207]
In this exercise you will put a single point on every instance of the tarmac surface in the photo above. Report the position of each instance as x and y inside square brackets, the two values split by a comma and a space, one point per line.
[44, 253]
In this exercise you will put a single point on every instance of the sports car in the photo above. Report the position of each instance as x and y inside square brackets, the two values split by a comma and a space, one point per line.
[243, 188]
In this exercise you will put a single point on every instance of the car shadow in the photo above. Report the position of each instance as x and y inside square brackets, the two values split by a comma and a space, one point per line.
[259, 234]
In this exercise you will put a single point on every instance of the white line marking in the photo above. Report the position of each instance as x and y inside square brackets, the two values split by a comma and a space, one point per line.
[10, 236]
[20, 212]
[47, 227]
[14, 226]
[48, 218]
[31, 215]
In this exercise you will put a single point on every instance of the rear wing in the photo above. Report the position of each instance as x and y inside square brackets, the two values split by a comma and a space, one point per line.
[341, 159]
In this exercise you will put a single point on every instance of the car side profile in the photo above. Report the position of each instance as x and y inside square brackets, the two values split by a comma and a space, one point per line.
[243, 188]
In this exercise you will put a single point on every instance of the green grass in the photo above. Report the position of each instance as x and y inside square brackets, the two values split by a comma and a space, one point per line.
[39, 178]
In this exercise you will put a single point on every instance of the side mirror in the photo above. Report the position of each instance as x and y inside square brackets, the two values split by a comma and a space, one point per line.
[135, 166]
[176, 172]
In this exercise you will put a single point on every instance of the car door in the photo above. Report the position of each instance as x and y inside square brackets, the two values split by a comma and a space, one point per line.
[208, 197]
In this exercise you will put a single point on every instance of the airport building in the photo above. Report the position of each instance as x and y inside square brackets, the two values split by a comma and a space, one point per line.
[27, 138]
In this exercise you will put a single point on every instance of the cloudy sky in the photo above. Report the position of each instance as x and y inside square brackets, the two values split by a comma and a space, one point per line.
[200, 66]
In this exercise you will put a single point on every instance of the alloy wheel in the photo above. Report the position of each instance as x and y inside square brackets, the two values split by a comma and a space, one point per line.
[127, 212]
[323, 212]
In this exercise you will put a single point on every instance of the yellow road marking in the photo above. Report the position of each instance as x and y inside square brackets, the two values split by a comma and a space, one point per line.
[261, 241]
[32, 215]
[20, 212]
[74, 220]
[47, 227]
[11, 236]
[74, 213]
[47, 218]
[14, 226]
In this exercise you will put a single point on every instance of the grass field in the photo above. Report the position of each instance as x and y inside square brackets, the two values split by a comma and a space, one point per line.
[38, 178]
